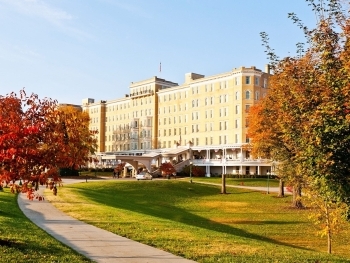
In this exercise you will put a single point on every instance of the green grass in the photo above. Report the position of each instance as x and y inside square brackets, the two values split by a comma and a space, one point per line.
[196, 222]
[22, 241]
[262, 182]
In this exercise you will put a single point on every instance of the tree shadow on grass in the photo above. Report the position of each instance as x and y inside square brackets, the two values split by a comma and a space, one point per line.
[158, 200]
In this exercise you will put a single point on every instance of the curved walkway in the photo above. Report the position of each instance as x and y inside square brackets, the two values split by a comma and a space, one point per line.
[90, 241]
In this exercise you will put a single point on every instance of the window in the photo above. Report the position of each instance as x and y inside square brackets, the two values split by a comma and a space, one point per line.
[236, 138]
[169, 132]
[247, 80]
[164, 132]
[236, 124]
[211, 140]
[256, 80]
[247, 94]
[237, 109]
[247, 107]
[257, 95]
[265, 83]
[236, 80]
[174, 131]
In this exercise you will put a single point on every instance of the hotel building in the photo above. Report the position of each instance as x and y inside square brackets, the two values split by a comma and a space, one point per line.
[203, 121]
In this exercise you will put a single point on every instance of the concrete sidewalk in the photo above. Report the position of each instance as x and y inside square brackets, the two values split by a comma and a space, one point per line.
[95, 243]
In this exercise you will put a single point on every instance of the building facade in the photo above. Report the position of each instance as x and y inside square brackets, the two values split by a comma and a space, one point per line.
[204, 120]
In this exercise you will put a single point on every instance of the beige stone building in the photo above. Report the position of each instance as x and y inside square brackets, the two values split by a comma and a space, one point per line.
[203, 121]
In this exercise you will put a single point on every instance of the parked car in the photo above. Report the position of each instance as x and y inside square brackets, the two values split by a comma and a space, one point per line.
[144, 176]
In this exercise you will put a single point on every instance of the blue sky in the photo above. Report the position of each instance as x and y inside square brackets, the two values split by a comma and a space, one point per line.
[69, 50]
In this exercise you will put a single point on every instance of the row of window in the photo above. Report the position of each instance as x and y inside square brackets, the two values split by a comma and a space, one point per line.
[223, 125]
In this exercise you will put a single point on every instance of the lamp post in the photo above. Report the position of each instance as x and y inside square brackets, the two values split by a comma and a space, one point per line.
[191, 172]
[268, 186]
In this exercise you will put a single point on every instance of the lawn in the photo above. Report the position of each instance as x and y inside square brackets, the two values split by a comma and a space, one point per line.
[22, 241]
[262, 182]
[196, 222]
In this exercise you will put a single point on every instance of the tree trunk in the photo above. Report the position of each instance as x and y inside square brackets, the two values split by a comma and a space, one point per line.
[297, 197]
[329, 231]
[223, 184]
[281, 188]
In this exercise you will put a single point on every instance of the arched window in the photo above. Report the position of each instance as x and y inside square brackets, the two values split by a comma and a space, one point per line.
[193, 103]
[256, 95]
[247, 94]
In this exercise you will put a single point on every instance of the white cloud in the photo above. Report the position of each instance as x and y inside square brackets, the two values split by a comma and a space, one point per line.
[41, 9]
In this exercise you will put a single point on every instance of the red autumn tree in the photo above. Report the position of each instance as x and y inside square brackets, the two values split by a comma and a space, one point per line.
[33, 142]
[120, 167]
[167, 169]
